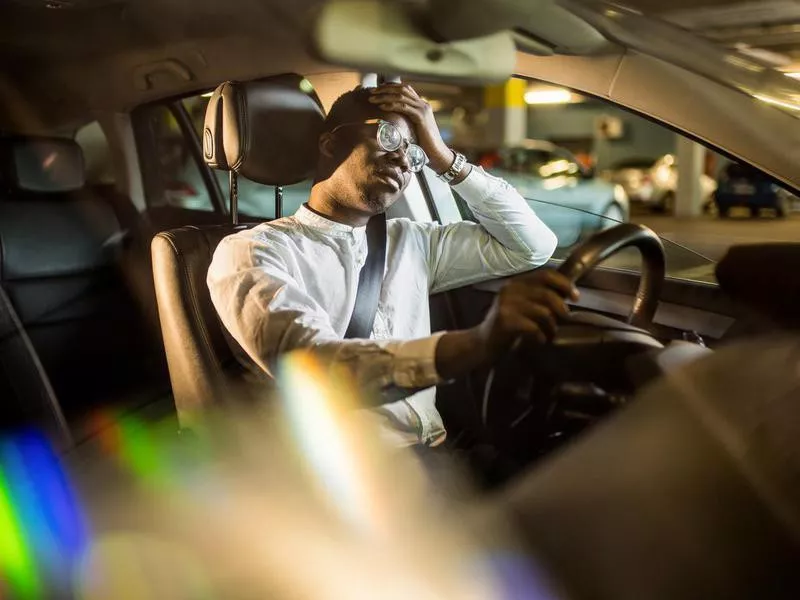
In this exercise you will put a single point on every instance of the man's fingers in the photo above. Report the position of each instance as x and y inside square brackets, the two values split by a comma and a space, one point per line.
[381, 99]
[400, 108]
[395, 88]
[553, 280]
[529, 329]
[550, 299]
[541, 295]
[403, 94]
[541, 315]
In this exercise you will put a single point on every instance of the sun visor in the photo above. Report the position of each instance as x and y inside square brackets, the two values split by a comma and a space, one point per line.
[380, 37]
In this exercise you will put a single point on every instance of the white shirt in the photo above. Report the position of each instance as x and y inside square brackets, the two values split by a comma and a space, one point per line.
[291, 283]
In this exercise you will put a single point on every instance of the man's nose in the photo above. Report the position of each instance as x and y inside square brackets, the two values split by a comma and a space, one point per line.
[400, 158]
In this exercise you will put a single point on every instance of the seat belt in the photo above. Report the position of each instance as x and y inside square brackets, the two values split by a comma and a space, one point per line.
[369, 280]
[20, 362]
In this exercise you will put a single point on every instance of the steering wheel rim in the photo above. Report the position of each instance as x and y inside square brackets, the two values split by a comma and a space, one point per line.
[583, 259]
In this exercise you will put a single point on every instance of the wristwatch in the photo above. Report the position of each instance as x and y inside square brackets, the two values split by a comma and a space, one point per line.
[455, 168]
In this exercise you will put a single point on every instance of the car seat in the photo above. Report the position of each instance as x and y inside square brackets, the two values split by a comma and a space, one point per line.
[268, 131]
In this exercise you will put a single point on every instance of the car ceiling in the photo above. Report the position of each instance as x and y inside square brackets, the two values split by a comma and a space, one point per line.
[100, 54]
[61, 60]
[768, 28]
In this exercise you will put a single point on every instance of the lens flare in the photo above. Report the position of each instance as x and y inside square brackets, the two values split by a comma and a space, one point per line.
[149, 452]
[17, 569]
[320, 409]
[42, 529]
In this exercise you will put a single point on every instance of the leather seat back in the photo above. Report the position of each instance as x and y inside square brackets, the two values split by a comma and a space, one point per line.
[268, 131]
[198, 351]
[61, 247]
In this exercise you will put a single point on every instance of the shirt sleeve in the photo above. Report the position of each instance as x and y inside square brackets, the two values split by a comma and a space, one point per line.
[509, 238]
[269, 314]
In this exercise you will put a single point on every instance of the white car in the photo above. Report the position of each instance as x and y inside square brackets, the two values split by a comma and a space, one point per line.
[660, 192]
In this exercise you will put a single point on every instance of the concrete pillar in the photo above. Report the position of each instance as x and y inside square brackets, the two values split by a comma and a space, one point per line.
[691, 166]
[507, 113]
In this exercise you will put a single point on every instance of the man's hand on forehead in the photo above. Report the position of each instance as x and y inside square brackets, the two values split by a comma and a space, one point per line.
[402, 99]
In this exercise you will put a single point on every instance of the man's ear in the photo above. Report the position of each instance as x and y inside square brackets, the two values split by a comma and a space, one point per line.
[326, 144]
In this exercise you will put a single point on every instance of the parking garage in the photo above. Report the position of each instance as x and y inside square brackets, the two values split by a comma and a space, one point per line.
[689, 193]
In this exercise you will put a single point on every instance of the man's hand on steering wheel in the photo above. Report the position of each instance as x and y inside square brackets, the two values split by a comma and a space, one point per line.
[528, 307]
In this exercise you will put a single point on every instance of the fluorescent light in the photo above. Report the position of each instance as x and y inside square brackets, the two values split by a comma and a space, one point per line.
[776, 102]
[793, 74]
[551, 96]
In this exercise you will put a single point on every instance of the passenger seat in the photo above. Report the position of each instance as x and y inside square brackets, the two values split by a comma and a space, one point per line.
[60, 254]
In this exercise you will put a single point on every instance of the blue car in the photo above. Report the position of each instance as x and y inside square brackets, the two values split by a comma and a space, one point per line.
[565, 195]
[744, 186]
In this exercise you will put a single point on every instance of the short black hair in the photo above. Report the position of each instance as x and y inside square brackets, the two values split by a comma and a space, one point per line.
[352, 107]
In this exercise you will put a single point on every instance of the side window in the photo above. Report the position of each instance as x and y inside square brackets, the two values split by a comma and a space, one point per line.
[170, 169]
[96, 155]
[255, 200]
[584, 164]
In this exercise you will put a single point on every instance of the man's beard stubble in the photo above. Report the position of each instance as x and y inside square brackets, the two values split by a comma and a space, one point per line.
[375, 202]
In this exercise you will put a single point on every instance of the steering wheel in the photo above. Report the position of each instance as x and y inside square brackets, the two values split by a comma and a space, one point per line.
[607, 243]
[584, 332]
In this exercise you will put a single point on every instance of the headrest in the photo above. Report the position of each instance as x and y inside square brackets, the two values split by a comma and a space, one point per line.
[42, 164]
[267, 130]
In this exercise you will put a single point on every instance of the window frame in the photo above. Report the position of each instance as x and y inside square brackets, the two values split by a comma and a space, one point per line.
[146, 145]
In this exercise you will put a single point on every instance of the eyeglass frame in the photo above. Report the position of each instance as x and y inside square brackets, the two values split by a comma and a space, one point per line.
[379, 122]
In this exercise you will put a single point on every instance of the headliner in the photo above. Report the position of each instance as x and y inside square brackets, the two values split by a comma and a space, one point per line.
[58, 65]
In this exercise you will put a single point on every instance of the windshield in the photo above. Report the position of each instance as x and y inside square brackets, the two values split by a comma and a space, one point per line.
[574, 226]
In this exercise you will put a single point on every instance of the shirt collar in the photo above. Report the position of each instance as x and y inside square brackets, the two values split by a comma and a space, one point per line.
[322, 224]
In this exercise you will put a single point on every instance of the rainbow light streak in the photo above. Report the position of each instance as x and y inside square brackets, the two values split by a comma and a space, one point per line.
[317, 407]
[56, 501]
[516, 576]
[140, 452]
[17, 569]
[42, 532]
[135, 446]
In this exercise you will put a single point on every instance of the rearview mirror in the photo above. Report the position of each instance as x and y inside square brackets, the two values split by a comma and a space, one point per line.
[381, 37]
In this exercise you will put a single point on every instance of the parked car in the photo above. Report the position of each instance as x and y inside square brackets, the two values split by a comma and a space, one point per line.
[552, 180]
[743, 186]
[634, 175]
[663, 178]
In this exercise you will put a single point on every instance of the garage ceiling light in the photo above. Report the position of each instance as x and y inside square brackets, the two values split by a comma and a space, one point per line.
[548, 96]
[793, 74]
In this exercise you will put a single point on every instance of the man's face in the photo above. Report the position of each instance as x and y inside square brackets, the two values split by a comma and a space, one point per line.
[373, 177]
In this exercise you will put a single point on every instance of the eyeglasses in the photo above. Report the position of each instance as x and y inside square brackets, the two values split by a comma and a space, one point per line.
[391, 139]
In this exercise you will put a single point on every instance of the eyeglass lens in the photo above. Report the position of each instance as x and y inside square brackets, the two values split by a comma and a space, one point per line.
[390, 139]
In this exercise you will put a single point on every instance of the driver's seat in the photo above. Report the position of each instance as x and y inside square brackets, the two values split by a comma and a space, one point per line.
[267, 131]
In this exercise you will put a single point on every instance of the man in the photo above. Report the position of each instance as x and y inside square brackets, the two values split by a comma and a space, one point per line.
[292, 283]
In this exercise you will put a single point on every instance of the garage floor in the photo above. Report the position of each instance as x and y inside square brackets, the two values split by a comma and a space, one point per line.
[708, 236]
[712, 236]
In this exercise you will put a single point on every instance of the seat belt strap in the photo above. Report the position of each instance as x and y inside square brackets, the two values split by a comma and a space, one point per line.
[369, 281]
[20, 361]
